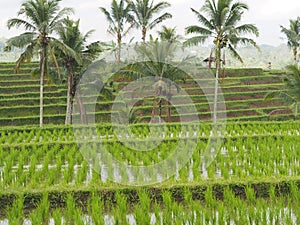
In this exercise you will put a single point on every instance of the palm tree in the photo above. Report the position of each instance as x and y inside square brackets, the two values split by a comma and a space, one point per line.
[144, 11]
[156, 63]
[168, 34]
[75, 64]
[42, 18]
[221, 24]
[118, 18]
[293, 36]
[291, 94]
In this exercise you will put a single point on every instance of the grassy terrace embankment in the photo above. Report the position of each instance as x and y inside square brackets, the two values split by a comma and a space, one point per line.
[243, 91]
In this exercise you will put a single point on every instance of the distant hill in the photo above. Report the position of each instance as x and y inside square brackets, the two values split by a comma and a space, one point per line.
[279, 56]
[8, 56]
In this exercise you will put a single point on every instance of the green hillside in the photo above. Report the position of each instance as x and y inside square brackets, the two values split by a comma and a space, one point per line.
[243, 91]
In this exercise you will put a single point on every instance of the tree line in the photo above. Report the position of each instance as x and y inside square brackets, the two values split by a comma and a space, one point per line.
[57, 40]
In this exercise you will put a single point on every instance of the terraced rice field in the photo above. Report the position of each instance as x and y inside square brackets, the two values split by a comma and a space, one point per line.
[243, 94]
[50, 176]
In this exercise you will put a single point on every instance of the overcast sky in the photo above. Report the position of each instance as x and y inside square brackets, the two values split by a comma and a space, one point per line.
[266, 14]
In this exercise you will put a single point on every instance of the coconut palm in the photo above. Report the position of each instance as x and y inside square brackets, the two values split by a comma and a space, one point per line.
[145, 10]
[156, 62]
[219, 20]
[75, 64]
[168, 34]
[291, 94]
[120, 20]
[41, 19]
[293, 36]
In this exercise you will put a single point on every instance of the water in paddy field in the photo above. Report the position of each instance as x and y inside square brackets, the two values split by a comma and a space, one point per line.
[194, 170]
[284, 215]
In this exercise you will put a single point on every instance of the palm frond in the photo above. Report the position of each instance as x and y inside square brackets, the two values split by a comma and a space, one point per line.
[26, 56]
[20, 22]
[160, 19]
[245, 41]
[22, 40]
[57, 44]
[108, 16]
[198, 30]
[247, 29]
[60, 16]
[195, 40]
[234, 53]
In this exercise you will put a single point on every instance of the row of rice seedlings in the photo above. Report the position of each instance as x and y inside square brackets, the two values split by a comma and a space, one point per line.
[240, 157]
[244, 157]
[60, 134]
[169, 210]
[43, 167]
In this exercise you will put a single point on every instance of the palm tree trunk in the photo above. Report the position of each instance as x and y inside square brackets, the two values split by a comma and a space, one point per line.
[210, 60]
[144, 33]
[153, 113]
[295, 55]
[223, 65]
[168, 110]
[82, 111]
[119, 47]
[160, 107]
[218, 68]
[69, 96]
[42, 74]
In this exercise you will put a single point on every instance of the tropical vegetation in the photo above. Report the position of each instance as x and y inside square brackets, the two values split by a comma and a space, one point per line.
[244, 171]
[293, 36]
[42, 19]
[121, 22]
[291, 94]
[75, 64]
[145, 12]
[220, 22]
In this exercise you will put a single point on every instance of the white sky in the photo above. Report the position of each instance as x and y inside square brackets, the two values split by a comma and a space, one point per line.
[266, 14]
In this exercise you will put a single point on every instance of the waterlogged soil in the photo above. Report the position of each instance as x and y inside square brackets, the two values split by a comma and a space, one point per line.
[243, 97]
[57, 199]
[244, 113]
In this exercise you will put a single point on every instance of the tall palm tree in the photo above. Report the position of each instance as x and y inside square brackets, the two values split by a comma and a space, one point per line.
[144, 11]
[168, 34]
[75, 64]
[219, 20]
[293, 36]
[291, 94]
[41, 19]
[119, 18]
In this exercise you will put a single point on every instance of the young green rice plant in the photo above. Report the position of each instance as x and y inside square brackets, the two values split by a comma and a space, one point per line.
[70, 211]
[250, 195]
[210, 198]
[167, 207]
[142, 209]
[57, 216]
[79, 217]
[15, 213]
[41, 214]
[82, 173]
[96, 209]
[52, 177]
[157, 210]
[120, 210]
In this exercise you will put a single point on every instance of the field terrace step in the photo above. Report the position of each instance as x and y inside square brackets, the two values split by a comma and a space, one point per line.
[29, 88]
[243, 91]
